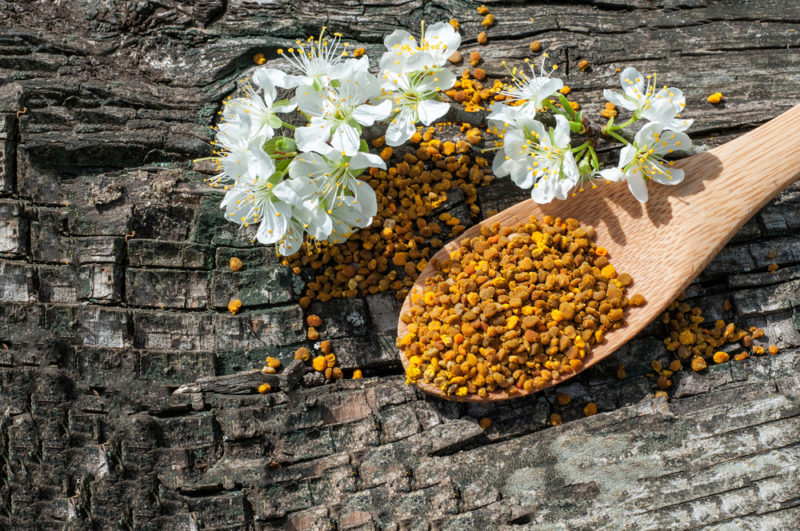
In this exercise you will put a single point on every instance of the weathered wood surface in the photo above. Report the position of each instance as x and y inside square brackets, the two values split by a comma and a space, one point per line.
[103, 105]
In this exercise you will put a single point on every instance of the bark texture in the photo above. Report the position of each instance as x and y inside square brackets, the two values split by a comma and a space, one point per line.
[114, 283]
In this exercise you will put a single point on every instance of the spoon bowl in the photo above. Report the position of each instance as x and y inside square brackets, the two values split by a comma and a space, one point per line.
[664, 243]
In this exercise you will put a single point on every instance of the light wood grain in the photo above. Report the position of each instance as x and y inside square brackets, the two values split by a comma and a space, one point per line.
[664, 243]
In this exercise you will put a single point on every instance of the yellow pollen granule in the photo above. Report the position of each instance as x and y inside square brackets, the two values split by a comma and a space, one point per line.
[264, 388]
[319, 363]
[234, 306]
[715, 98]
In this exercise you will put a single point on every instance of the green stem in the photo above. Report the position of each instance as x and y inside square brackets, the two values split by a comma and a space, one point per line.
[615, 135]
[595, 162]
[581, 147]
[287, 126]
[621, 126]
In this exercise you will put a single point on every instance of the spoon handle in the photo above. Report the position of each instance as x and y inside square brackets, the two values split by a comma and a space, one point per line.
[726, 186]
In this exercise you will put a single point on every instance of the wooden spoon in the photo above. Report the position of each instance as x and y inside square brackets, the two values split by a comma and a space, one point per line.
[664, 243]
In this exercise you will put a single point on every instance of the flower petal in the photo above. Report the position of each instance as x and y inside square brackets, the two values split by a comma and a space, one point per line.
[430, 110]
[547, 89]
[307, 165]
[637, 184]
[399, 38]
[561, 133]
[364, 196]
[443, 37]
[632, 82]
[313, 137]
[368, 114]
[364, 159]
[626, 155]
[346, 139]
[262, 78]
[497, 164]
[611, 174]
[280, 78]
[274, 222]
[620, 101]
[669, 175]
[400, 129]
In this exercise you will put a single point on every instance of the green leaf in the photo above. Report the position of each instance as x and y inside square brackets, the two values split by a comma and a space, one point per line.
[585, 166]
[282, 165]
[363, 146]
[565, 103]
[287, 144]
[575, 127]
[317, 85]
[274, 122]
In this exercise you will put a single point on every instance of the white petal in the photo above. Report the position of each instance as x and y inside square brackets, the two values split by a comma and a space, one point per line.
[669, 141]
[637, 185]
[661, 111]
[309, 101]
[369, 114]
[420, 61]
[280, 78]
[646, 135]
[262, 78]
[274, 223]
[513, 145]
[547, 89]
[366, 160]
[364, 196]
[346, 139]
[443, 37]
[620, 101]
[625, 156]
[313, 137]
[570, 169]
[611, 174]
[291, 242]
[522, 177]
[497, 163]
[399, 38]
[430, 110]
[670, 175]
[632, 82]
[561, 134]
[400, 129]
[542, 193]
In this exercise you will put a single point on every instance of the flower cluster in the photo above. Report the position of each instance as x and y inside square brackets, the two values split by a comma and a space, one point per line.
[414, 74]
[544, 160]
[301, 183]
[307, 185]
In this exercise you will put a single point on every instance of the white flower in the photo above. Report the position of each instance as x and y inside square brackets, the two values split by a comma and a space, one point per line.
[531, 90]
[260, 109]
[440, 42]
[540, 159]
[415, 97]
[643, 160]
[338, 186]
[661, 107]
[336, 113]
[252, 198]
[319, 61]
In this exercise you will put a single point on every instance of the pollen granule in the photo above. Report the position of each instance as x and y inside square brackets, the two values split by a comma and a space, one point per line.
[513, 309]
